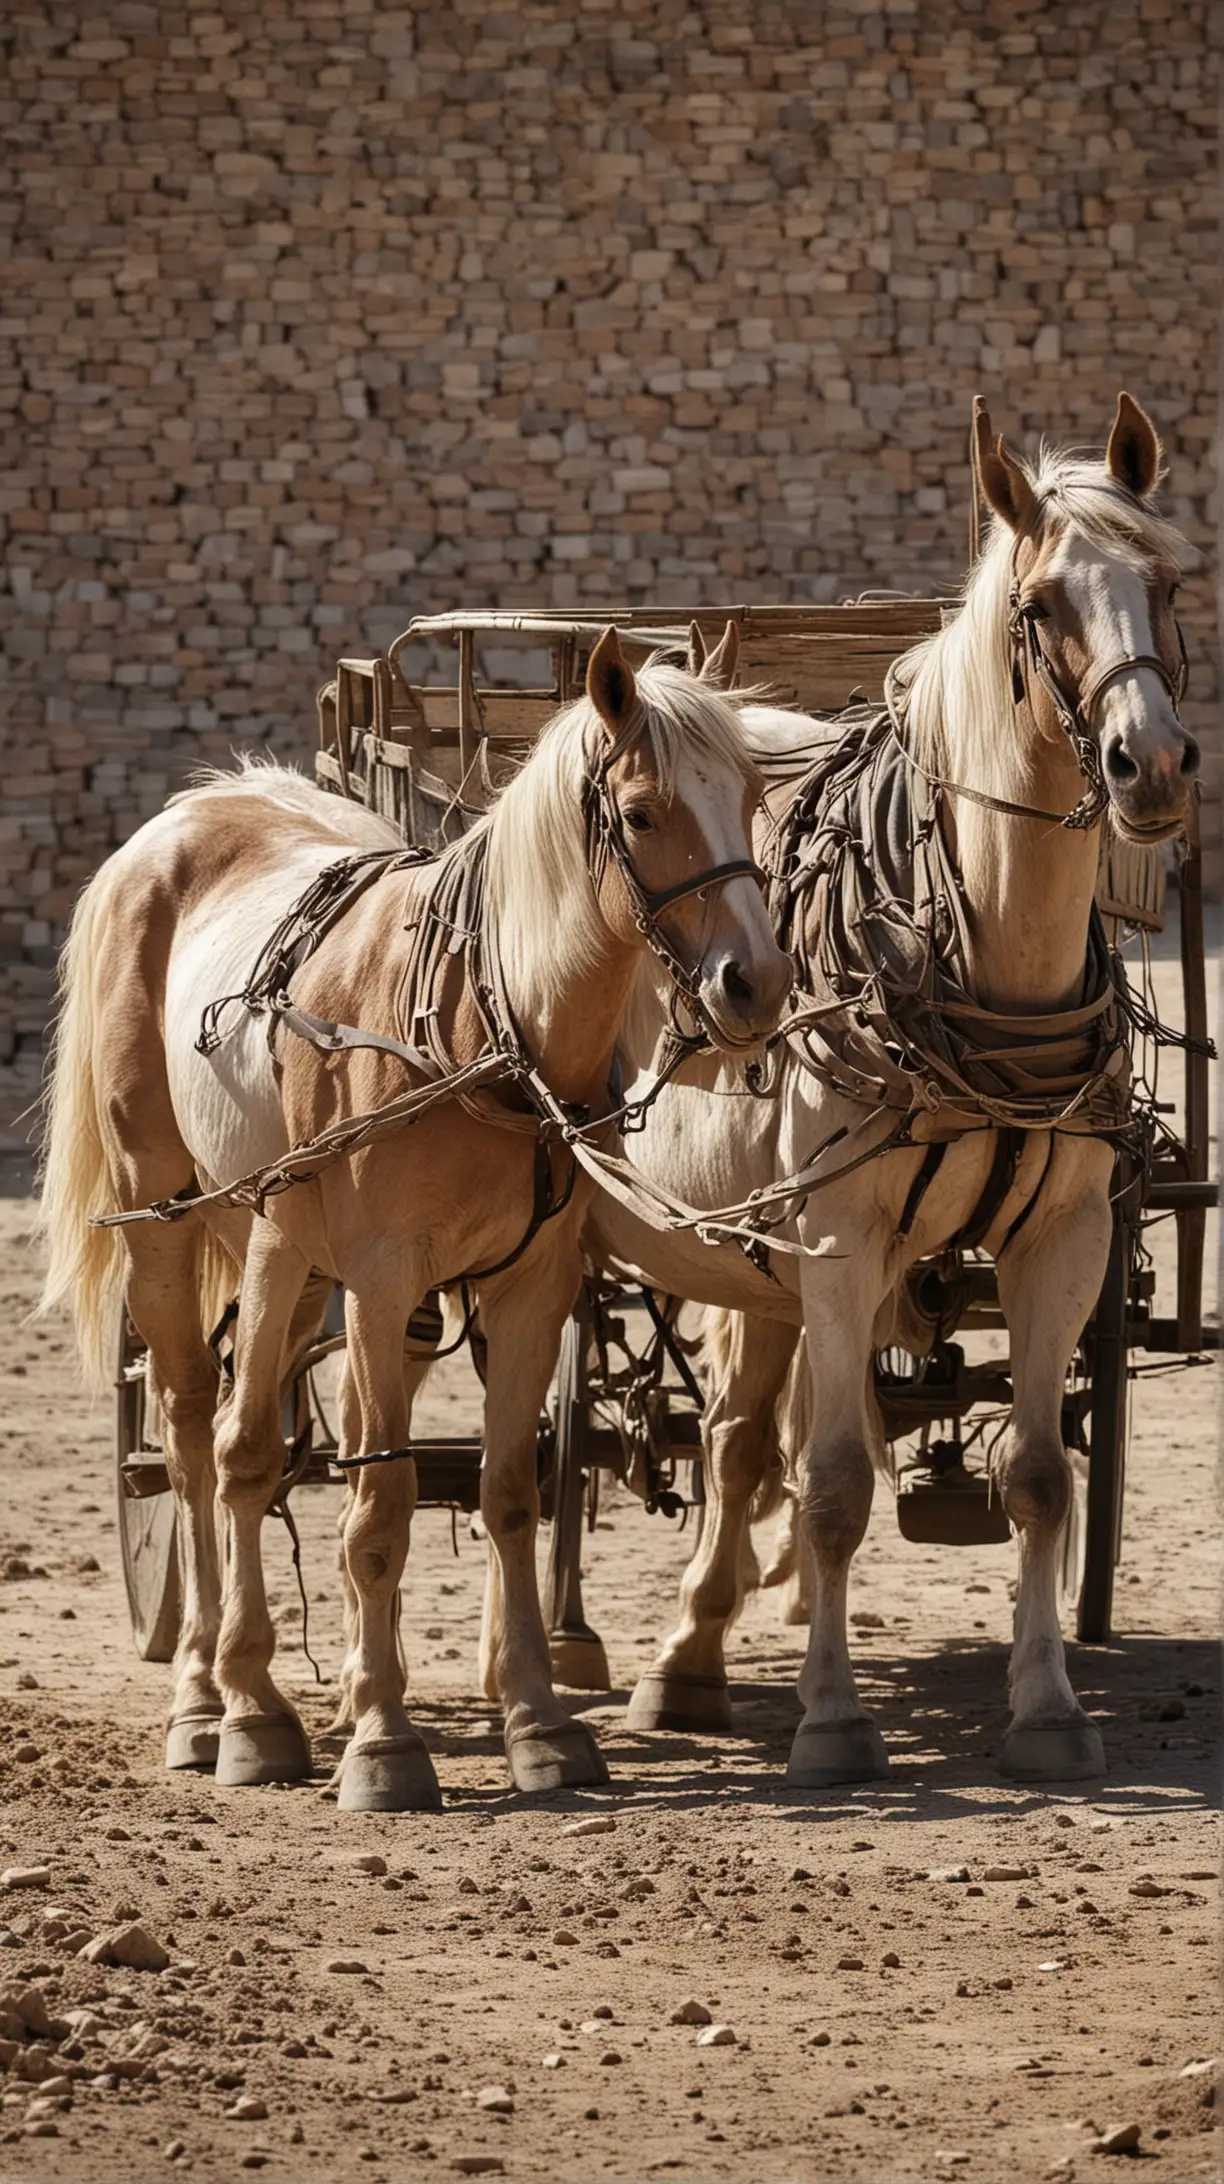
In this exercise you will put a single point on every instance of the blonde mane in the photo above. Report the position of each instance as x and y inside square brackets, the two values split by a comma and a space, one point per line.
[549, 930]
[961, 719]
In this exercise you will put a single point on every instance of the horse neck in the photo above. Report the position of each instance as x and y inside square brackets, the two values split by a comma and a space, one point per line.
[1028, 884]
[565, 975]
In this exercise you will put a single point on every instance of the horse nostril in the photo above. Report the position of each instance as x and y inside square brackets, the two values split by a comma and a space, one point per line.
[1191, 759]
[735, 985]
[1119, 764]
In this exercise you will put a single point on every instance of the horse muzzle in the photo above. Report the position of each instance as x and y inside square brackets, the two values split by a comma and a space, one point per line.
[742, 1000]
[1150, 781]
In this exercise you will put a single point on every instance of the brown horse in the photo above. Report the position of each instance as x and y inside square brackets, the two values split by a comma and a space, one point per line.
[630, 821]
[1043, 709]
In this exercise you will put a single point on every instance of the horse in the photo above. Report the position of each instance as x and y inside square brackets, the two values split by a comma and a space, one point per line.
[492, 980]
[1044, 708]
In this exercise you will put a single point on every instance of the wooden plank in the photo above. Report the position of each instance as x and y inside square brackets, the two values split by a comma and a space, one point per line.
[825, 671]
[509, 715]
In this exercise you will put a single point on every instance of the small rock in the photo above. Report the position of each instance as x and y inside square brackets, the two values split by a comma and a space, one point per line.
[234, 1956]
[598, 1823]
[1171, 1709]
[1123, 2139]
[26, 1876]
[849, 1964]
[867, 1619]
[29, 2006]
[717, 2036]
[369, 1861]
[172, 2149]
[1006, 1873]
[1198, 2070]
[1064, 1820]
[822, 2039]
[1146, 1886]
[27, 1682]
[496, 2099]
[249, 2108]
[27, 1754]
[345, 1964]
[636, 1890]
[610, 2057]
[948, 1873]
[891, 1961]
[691, 2012]
[604, 2010]
[1053, 1964]
[554, 2061]
[563, 1939]
[478, 2164]
[954, 2160]
[132, 1946]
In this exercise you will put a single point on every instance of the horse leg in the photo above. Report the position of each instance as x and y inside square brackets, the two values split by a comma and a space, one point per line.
[547, 1749]
[686, 1687]
[1049, 1279]
[385, 1766]
[837, 1740]
[262, 1739]
[348, 1438]
[344, 1720]
[790, 1566]
[163, 1298]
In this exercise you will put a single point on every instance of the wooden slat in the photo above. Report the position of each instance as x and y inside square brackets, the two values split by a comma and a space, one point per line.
[824, 671]
[509, 715]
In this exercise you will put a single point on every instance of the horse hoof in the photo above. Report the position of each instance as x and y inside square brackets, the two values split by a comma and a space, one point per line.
[837, 1751]
[1054, 1751]
[192, 1740]
[258, 1748]
[556, 1759]
[388, 1774]
[579, 1661]
[700, 1703]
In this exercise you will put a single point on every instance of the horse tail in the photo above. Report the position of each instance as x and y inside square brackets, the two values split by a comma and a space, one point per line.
[86, 1266]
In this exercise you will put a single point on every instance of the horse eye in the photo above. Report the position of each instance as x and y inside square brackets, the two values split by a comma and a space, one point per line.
[636, 819]
[1035, 611]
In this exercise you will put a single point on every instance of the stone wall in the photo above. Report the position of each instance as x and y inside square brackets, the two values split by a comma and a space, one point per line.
[319, 312]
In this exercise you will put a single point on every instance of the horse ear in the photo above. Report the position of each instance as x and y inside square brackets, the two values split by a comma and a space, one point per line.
[610, 683]
[696, 649]
[1002, 480]
[1133, 456]
[720, 666]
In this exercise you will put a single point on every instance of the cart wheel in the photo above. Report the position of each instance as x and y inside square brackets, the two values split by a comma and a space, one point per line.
[148, 1527]
[1106, 1441]
[578, 1657]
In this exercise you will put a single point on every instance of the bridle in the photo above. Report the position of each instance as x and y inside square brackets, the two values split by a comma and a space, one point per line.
[605, 839]
[1031, 662]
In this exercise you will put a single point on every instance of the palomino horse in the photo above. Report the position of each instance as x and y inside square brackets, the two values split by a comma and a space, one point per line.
[1062, 663]
[629, 822]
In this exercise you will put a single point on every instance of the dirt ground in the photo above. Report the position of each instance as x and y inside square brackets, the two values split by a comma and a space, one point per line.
[897, 2012]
